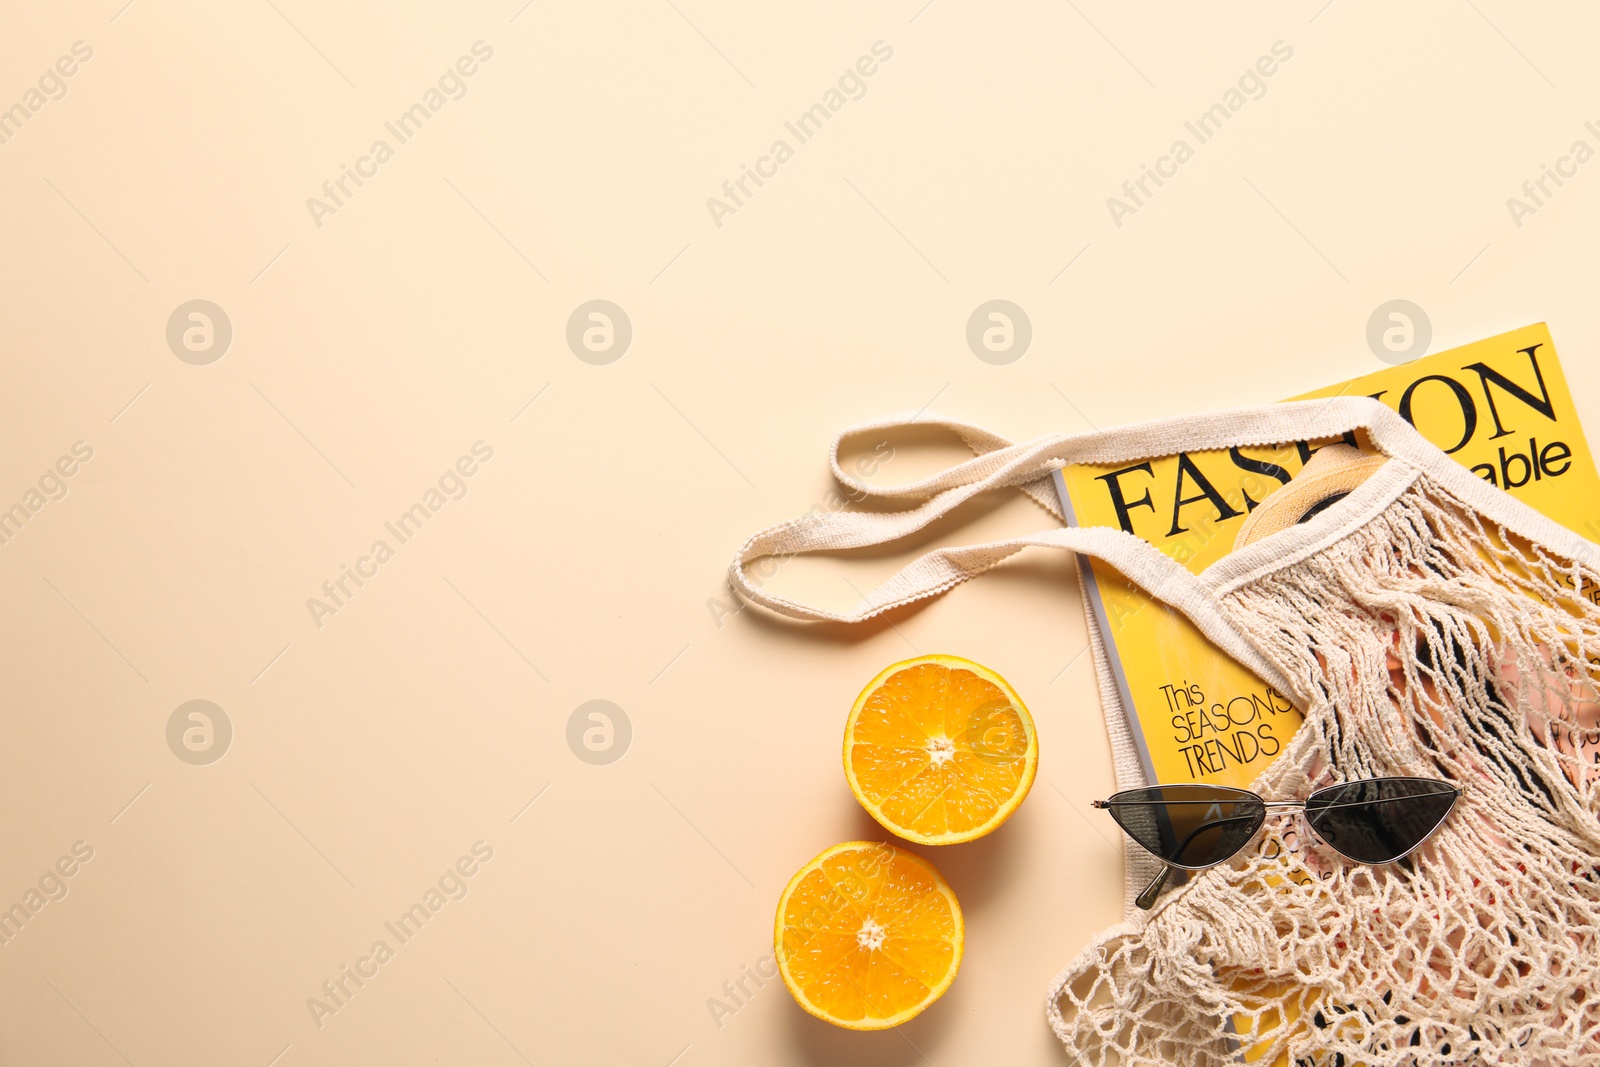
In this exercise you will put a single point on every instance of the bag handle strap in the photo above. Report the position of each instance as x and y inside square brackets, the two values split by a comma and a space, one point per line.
[981, 441]
[1029, 466]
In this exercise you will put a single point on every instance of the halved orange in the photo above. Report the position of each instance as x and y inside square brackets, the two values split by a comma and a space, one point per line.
[868, 935]
[940, 749]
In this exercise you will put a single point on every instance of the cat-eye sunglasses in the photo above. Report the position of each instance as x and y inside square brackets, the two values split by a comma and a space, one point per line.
[1192, 827]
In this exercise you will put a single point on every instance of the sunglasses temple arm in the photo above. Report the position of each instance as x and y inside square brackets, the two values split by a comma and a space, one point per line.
[1147, 899]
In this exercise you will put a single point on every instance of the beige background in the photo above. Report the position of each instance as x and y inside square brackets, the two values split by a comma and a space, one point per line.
[369, 353]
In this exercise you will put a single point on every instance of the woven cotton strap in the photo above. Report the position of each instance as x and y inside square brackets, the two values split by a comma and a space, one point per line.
[1029, 466]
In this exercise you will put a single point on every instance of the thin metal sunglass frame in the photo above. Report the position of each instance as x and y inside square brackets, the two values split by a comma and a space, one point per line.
[1146, 899]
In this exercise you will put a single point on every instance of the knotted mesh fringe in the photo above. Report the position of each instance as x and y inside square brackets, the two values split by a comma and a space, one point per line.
[1482, 947]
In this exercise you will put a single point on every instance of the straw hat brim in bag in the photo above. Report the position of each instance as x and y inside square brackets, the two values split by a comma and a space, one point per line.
[1428, 625]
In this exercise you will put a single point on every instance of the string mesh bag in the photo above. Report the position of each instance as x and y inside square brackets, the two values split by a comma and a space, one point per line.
[1427, 625]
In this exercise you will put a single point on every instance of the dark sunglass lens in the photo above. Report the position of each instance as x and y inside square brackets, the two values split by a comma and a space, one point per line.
[1189, 825]
[1381, 819]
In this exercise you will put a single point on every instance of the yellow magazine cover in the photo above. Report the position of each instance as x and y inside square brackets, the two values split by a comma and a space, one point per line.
[1499, 407]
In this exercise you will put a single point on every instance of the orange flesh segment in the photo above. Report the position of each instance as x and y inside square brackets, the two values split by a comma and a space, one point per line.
[937, 751]
[868, 936]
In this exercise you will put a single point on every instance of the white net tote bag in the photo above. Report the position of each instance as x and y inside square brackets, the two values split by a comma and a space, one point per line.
[1429, 626]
